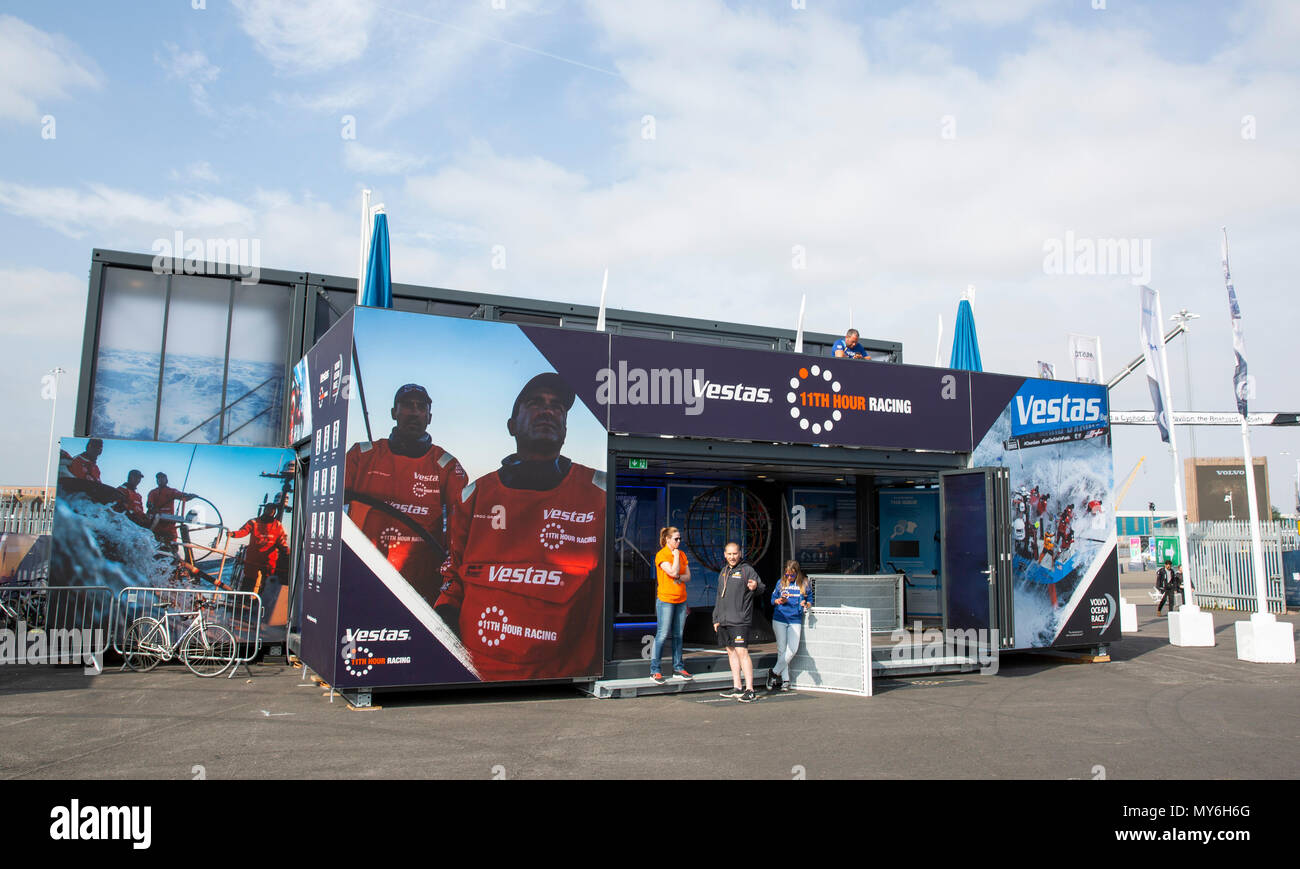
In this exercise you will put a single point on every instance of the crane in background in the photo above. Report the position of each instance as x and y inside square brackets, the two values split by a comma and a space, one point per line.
[1123, 490]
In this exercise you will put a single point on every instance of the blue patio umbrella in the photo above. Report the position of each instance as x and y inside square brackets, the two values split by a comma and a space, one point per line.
[965, 344]
[379, 280]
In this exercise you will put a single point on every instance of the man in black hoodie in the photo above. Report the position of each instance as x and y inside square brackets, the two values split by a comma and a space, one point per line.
[733, 616]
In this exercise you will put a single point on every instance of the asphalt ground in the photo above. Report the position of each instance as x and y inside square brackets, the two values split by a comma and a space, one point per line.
[1153, 712]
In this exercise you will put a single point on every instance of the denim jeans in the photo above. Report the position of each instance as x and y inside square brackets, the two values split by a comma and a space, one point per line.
[668, 616]
[787, 644]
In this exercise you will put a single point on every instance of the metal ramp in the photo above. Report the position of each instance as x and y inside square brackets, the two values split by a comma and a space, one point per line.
[644, 686]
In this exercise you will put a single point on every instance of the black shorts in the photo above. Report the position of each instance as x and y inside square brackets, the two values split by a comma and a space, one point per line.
[734, 636]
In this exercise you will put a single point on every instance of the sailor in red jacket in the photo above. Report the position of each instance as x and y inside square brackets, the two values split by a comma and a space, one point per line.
[85, 465]
[525, 576]
[413, 480]
[162, 500]
[263, 550]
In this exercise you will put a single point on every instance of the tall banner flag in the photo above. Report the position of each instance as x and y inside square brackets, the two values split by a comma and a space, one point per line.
[1240, 377]
[1046, 370]
[1151, 345]
[1085, 351]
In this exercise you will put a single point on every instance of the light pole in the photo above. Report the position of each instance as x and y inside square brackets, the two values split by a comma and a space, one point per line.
[1182, 318]
[1232, 517]
[51, 392]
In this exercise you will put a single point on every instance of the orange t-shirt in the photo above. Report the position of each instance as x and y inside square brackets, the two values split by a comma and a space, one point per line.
[670, 590]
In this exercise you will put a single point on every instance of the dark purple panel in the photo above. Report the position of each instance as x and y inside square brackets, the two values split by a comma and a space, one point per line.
[662, 387]
[389, 646]
[990, 395]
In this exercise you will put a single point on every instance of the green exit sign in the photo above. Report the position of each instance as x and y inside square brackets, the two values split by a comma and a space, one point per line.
[638, 464]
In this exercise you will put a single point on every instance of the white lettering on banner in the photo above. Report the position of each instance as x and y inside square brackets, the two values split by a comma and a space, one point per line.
[889, 405]
[568, 515]
[381, 635]
[527, 575]
[1038, 411]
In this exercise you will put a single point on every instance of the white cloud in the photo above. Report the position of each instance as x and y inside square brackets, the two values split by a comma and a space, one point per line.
[999, 12]
[39, 68]
[378, 161]
[302, 36]
[100, 208]
[199, 172]
[45, 303]
[193, 68]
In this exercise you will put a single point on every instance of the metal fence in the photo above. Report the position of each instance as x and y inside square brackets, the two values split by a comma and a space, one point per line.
[240, 612]
[27, 517]
[59, 624]
[1223, 572]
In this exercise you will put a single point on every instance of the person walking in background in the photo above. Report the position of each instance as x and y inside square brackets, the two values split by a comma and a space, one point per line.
[670, 605]
[1169, 581]
[789, 600]
[733, 617]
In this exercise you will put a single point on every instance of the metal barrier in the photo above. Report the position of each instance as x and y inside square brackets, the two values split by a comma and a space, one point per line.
[26, 518]
[58, 624]
[240, 612]
[1223, 572]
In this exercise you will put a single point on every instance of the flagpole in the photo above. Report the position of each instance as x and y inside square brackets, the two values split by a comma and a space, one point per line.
[798, 337]
[938, 345]
[364, 255]
[1256, 544]
[49, 455]
[1180, 506]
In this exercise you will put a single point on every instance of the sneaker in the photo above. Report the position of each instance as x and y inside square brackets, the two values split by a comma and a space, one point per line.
[774, 684]
[785, 686]
[771, 681]
[681, 673]
[747, 697]
[732, 692]
[658, 677]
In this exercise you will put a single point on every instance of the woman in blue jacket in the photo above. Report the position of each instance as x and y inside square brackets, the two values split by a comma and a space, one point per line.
[790, 599]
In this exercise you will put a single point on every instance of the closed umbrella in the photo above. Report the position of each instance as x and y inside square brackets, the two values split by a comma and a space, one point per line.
[379, 280]
[965, 344]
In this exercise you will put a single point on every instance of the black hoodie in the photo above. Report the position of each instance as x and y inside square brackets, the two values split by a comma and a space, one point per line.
[735, 603]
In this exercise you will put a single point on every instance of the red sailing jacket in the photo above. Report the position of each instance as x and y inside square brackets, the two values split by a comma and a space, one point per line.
[163, 500]
[417, 488]
[83, 467]
[263, 550]
[526, 571]
[133, 498]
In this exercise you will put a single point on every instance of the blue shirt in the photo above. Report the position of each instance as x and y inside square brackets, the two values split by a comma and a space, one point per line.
[790, 612]
[854, 352]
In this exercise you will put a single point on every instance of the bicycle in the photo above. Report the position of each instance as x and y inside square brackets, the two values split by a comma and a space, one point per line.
[207, 649]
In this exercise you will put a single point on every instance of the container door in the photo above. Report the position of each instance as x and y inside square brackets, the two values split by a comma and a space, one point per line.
[975, 529]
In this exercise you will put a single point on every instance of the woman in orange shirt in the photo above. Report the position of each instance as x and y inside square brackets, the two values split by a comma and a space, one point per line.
[670, 605]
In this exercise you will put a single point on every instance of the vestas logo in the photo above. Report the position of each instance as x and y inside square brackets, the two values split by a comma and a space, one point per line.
[382, 635]
[1046, 406]
[688, 387]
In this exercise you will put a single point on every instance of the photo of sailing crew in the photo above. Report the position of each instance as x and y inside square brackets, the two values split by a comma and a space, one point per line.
[490, 504]
[188, 532]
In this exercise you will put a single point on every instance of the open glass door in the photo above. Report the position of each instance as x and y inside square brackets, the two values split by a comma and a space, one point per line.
[975, 528]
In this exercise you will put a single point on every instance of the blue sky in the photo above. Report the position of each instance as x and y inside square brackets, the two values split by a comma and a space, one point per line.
[907, 150]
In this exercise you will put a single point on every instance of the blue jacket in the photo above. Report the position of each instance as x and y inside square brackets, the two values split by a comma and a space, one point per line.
[790, 612]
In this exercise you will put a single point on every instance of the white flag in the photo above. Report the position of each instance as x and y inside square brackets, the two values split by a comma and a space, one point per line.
[49, 386]
[1046, 370]
[1085, 351]
[1151, 337]
[1242, 381]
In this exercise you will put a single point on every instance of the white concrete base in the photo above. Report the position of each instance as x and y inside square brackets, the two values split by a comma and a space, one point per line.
[1188, 626]
[1128, 617]
[1265, 640]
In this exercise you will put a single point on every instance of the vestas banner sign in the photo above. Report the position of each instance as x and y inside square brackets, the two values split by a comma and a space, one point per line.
[653, 387]
[1054, 411]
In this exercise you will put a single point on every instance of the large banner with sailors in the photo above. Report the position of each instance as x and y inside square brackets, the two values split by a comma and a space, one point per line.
[180, 516]
[1054, 438]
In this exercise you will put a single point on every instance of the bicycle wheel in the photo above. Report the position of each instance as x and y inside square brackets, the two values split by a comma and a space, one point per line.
[142, 645]
[208, 652]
